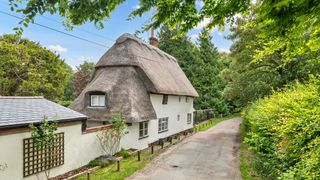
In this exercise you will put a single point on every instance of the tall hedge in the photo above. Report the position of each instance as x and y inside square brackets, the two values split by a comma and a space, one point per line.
[284, 132]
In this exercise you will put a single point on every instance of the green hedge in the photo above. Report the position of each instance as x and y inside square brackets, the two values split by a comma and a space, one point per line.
[284, 132]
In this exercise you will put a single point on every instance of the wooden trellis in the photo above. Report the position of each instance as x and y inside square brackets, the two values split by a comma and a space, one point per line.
[37, 159]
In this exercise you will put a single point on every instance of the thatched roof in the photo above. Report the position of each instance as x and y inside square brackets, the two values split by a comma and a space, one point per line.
[127, 73]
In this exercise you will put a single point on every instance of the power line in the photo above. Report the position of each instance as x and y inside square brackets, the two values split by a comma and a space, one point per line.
[78, 28]
[56, 30]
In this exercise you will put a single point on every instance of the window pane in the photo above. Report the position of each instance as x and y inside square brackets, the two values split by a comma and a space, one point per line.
[101, 100]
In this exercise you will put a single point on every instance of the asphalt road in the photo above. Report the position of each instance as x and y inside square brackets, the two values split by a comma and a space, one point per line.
[213, 154]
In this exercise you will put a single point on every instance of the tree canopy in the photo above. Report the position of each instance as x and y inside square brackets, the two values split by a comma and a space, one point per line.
[27, 69]
[201, 64]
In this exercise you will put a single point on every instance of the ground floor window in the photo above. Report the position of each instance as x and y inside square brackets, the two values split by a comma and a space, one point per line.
[143, 129]
[189, 118]
[163, 124]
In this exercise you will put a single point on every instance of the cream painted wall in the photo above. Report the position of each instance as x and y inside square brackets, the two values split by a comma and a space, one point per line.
[171, 110]
[79, 150]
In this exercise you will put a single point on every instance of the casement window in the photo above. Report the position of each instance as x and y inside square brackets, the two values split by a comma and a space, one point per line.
[163, 124]
[143, 129]
[189, 118]
[178, 117]
[180, 98]
[97, 99]
[165, 99]
[187, 99]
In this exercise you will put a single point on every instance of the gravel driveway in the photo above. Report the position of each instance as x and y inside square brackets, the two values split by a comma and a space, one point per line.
[213, 154]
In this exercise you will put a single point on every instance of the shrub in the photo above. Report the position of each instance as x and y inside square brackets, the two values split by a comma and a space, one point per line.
[123, 153]
[284, 131]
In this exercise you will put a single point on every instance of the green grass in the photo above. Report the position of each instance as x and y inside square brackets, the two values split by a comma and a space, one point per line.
[212, 122]
[127, 167]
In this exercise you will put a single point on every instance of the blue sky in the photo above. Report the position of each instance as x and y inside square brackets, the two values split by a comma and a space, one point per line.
[75, 51]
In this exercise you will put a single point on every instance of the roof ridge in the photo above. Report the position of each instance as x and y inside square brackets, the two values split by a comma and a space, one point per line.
[126, 36]
[21, 97]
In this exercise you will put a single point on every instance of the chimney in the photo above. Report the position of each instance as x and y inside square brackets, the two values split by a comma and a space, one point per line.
[153, 40]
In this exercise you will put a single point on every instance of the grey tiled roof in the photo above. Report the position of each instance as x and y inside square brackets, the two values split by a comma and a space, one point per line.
[19, 111]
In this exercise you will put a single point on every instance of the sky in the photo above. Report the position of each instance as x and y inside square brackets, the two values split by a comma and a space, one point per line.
[75, 51]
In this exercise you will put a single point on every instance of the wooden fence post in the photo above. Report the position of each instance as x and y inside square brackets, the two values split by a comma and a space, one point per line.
[118, 165]
[88, 176]
[162, 144]
[139, 158]
[152, 149]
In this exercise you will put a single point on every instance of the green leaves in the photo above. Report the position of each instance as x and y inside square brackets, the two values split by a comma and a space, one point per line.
[27, 69]
[43, 134]
[285, 130]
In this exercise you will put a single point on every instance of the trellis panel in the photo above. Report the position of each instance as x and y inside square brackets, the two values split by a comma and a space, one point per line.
[37, 159]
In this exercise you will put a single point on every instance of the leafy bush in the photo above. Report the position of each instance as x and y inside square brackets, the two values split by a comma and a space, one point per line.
[284, 131]
[123, 153]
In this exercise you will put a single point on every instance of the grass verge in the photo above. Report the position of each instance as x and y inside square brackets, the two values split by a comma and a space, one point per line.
[203, 126]
[248, 165]
[128, 167]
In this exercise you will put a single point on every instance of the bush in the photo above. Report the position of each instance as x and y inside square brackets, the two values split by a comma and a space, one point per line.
[284, 131]
[123, 153]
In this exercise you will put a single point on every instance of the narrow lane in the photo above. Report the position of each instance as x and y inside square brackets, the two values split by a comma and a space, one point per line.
[213, 154]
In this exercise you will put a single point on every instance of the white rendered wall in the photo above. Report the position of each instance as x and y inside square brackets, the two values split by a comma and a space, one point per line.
[79, 150]
[171, 110]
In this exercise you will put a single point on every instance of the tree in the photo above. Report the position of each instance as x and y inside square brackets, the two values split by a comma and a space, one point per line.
[201, 65]
[211, 85]
[82, 77]
[27, 69]
[68, 95]
[110, 138]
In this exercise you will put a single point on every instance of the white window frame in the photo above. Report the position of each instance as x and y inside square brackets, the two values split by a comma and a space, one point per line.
[163, 124]
[189, 118]
[143, 129]
[101, 100]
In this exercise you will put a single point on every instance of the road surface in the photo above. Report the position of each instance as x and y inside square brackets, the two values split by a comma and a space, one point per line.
[213, 154]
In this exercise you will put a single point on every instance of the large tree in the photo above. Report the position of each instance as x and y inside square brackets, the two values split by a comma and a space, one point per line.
[28, 69]
[82, 77]
[201, 65]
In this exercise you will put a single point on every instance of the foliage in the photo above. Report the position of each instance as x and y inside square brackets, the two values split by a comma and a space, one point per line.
[123, 153]
[28, 69]
[203, 126]
[99, 162]
[109, 138]
[249, 79]
[43, 134]
[82, 77]
[284, 132]
[201, 64]
[68, 96]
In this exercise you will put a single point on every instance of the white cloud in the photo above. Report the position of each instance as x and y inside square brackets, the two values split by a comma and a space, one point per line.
[136, 7]
[203, 23]
[220, 33]
[223, 50]
[57, 48]
[194, 37]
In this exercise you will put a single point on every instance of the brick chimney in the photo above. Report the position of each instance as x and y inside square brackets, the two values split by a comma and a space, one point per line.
[153, 40]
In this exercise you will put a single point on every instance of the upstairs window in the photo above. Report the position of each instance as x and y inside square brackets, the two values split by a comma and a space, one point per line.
[178, 117]
[180, 98]
[143, 129]
[165, 99]
[189, 118]
[97, 99]
[163, 124]
[187, 99]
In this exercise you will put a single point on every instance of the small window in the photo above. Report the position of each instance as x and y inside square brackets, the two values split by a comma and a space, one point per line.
[189, 118]
[143, 129]
[97, 100]
[187, 99]
[165, 99]
[163, 124]
[178, 117]
[180, 98]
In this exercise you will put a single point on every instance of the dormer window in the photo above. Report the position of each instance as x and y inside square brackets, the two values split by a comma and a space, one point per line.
[165, 99]
[97, 99]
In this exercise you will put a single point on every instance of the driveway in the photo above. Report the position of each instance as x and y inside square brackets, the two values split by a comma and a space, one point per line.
[213, 154]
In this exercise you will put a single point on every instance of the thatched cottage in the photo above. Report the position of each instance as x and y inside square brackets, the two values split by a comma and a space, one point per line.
[145, 85]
